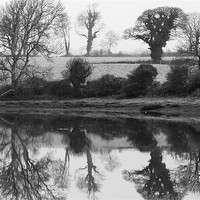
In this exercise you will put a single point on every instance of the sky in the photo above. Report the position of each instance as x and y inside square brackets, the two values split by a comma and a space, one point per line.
[118, 15]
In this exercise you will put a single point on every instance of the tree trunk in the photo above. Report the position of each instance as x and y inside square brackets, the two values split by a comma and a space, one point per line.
[109, 52]
[199, 62]
[67, 45]
[67, 48]
[156, 53]
[91, 181]
[89, 42]
[14, 85]
[14, 82]
[89, 46]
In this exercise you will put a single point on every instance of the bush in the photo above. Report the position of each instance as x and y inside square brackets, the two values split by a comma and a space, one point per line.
[31, 87]
[183, 62]
[35, 85]
[139, 81]
[61, 88]
[105, 86]
[78, 70]
[155, 89]
[177, 79]
[194, 82]
[196, 93]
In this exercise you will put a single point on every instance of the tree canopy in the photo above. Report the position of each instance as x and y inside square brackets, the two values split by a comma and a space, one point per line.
[155, 27]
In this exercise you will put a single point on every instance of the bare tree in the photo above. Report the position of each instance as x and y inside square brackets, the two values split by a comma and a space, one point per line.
[62, 29]
[90, 20]
[25, 28]
[190, 37]
[111, 40]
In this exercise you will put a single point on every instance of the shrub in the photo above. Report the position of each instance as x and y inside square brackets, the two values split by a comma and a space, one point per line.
[155, 89]
[31, 87]
[139, 81]
[183, 62]
[177, 79]
[194, 82]
[59, 88]
[105, 86]
[78, 70]
[196, 93]
[35, 85]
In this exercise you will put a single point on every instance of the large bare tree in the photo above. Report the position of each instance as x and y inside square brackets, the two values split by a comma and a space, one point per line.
[90, 21]
[25, 28]
[155, 27]
[62, 29]
[190, 37]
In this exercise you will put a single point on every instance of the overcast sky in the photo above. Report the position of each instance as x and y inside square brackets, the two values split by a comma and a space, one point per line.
[117, 16]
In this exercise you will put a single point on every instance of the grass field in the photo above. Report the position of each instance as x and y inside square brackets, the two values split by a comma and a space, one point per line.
[103, 65]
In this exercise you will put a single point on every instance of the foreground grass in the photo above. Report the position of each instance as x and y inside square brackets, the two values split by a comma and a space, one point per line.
[166, 108]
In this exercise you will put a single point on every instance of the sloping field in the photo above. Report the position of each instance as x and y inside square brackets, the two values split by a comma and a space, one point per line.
[102, 65]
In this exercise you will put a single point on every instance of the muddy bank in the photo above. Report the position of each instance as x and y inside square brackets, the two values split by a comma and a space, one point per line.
[107, 107]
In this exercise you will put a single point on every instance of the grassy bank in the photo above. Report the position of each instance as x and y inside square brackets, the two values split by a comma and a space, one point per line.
[167, 108]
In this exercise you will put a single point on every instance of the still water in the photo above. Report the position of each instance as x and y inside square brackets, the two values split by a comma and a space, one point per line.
[57, 157]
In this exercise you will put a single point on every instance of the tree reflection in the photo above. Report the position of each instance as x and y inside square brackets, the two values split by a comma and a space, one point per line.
[186, 176]
[20, 176]
[111, 161]
[90, 182]
[88, 176]
[61, 173]
[78, 140]
[139, 134]
[153, 182]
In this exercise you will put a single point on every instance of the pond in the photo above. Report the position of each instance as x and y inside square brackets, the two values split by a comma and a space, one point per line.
[62, 157]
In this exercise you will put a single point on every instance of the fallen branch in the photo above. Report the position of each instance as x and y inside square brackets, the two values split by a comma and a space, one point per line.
[10, 90]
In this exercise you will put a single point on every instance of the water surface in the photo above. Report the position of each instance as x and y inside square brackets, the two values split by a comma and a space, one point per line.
[57, 157]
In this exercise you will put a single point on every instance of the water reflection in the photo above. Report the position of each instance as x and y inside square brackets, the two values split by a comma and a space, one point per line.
[153, 181]
[57, 157]
[78, 141]
[20, 176]
[90, 181]
[187, 174]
